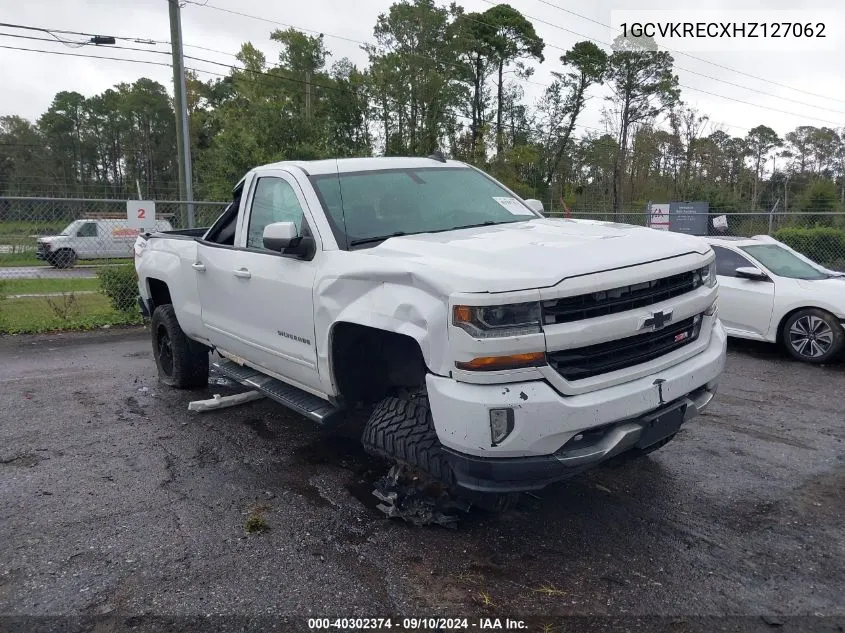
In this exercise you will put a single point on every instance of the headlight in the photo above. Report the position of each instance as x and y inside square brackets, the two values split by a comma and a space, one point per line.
[493, 321]
[706, 276]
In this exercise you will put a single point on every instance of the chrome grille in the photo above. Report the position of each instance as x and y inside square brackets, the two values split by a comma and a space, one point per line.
[621, 299]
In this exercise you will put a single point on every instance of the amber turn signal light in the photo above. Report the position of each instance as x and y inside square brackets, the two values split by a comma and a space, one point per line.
[498, 363]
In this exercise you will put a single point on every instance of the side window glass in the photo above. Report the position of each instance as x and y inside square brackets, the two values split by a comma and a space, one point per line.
[727, 261]
[89, 229]
[274, 201]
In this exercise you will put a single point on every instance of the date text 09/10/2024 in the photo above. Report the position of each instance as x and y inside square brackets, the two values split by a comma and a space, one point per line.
[437, 624]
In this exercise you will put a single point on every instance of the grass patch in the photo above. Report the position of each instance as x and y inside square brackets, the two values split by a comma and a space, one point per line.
[25, 229]
[33, 315]
[42, 286]
[255, 522]
[19, 259]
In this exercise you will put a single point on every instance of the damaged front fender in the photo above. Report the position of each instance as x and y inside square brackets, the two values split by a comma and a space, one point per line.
[401, 304]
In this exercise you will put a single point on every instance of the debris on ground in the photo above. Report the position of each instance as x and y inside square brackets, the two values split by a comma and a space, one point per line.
[410, 496]
[222, 402]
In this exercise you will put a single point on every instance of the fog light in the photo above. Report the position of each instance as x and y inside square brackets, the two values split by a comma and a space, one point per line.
[501, 424]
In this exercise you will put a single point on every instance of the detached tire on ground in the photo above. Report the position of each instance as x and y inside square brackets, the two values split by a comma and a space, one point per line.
[181, 362]
[813, 336]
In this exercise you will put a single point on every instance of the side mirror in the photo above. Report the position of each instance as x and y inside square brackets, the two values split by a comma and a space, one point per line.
[752, 273]
[534, 205]
[279, 235]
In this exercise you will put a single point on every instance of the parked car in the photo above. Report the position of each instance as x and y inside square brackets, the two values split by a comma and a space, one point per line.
[494, 349]
[91, 239]
[769, 292]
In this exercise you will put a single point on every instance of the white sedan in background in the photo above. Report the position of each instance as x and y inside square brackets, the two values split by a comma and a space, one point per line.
[769, 292]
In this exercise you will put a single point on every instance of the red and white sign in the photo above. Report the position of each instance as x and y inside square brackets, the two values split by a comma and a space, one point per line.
[659, 217]
[141, 214]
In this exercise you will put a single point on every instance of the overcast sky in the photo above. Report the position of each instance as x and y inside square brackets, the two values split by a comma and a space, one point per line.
[29, 80]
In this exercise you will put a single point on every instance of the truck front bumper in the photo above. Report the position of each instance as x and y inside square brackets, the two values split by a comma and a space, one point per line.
[556, 436]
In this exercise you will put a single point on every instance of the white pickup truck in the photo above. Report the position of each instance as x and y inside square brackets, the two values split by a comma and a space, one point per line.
[497, 350]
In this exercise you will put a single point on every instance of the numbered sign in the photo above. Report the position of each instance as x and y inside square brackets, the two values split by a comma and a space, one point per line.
[141, 214]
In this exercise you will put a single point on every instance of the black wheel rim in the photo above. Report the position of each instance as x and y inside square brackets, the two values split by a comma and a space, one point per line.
[811, 336]
[165, 351]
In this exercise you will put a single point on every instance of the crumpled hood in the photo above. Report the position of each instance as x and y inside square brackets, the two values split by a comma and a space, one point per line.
[534, 254]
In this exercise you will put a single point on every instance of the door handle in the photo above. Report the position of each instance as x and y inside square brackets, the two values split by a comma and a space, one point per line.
[242, 272]
[198, 266]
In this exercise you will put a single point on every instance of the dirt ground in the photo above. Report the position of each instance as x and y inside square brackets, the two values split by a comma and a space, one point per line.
[115, 501]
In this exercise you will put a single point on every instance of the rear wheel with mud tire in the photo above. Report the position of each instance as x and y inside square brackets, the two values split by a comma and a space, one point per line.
[182, 363]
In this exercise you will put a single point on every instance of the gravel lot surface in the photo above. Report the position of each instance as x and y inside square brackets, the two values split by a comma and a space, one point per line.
[114, 500]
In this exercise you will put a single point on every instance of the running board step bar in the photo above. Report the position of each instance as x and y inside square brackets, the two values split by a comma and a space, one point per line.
[292, 397]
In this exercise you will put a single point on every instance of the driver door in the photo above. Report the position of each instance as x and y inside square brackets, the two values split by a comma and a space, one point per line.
[745, 305]
[268, 308]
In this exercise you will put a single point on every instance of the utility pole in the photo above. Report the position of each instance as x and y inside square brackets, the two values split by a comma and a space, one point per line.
[307, 95]
[183, 135]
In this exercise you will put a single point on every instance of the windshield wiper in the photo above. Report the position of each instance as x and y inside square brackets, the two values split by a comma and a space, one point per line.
[380, 238]
[469, 226]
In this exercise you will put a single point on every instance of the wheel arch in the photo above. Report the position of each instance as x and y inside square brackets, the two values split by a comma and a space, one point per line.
[159, 293]
[414, 312]
[367, 363]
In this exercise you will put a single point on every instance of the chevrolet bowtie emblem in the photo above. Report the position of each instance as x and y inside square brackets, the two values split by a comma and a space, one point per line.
[657, 320]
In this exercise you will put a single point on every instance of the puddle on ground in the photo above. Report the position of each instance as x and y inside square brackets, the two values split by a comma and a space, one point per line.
[340, 450]
[309, 492]
[347, 452]
[363, 483]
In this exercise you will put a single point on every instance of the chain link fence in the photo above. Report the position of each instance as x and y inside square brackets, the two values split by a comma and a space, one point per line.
[819, 236]
[68, 262]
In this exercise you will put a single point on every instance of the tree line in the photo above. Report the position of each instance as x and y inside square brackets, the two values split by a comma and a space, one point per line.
[437, 77]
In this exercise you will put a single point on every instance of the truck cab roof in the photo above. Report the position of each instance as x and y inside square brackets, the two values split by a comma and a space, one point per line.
[351, 165]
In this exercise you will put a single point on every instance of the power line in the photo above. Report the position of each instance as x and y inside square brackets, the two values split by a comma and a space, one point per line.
[706, 61]
[263, 19]
[111, 46]
[457, 115]
[251, 71]
[137, 40]
[71, 44]
[117, 59]
[340, 37]
[610, 46]
[216, 63]
[300, 81]
[713, 94]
